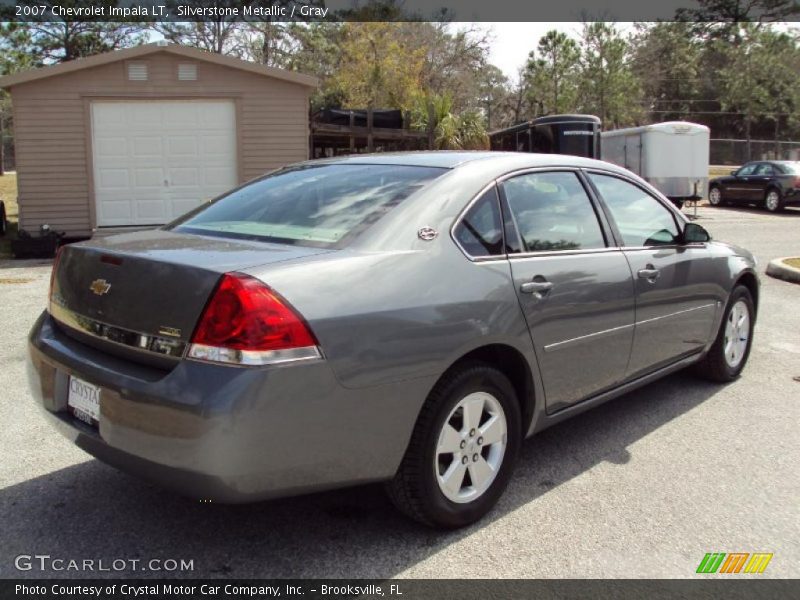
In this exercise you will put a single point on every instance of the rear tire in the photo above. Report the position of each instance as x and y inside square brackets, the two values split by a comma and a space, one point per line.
[715, 196]
[773, 201]
[729, 353]
[453, 489]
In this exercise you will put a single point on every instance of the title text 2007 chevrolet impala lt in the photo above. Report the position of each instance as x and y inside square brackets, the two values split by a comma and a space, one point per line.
[405, 318]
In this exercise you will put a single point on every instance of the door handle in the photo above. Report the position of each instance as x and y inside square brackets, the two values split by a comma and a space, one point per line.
[536, 287]
[650, 273]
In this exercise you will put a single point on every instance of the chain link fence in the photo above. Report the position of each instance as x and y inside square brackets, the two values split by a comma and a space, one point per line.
[738, 152]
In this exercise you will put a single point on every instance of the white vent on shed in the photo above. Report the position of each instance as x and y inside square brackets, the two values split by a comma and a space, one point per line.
[137, 72]
[187, 72]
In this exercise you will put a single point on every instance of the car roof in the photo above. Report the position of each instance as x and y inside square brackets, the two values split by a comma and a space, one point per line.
[451, 159]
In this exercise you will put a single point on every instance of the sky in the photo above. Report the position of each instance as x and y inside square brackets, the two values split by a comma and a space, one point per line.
[513, 41]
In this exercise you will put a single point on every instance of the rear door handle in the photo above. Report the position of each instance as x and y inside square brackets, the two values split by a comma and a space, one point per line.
[536, 287]
[649, 273]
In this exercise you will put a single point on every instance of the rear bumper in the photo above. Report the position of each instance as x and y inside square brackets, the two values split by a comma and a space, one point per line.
[227, 434]
[792, 197]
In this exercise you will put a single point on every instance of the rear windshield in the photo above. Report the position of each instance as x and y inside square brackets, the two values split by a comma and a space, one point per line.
[321, 205]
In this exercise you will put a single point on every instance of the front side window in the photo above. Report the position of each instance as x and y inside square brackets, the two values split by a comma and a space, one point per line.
[480, 232]
[641, 219]
[320, 205]
[553, 212]
[746, 170]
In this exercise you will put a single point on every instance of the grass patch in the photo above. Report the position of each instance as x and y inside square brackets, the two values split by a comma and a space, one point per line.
[793, 262]
[720, 171]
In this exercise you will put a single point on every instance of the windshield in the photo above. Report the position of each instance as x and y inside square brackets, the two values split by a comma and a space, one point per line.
[319, 205]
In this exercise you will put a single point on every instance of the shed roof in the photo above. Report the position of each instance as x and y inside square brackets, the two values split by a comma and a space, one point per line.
[147, 49]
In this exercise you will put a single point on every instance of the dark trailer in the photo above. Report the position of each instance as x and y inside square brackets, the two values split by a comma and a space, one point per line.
[578, 135]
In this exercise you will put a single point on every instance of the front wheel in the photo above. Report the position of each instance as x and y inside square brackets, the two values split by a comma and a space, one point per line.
[715, 196]
[730, 351]
[463, 449]
[773, 201]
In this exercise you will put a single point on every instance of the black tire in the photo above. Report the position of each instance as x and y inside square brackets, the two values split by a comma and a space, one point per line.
[3, 221]
[711, 196]
[414, 489]
[769, 205]
[714, 365]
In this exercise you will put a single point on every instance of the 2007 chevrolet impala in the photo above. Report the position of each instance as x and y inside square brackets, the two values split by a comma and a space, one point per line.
[404, 318]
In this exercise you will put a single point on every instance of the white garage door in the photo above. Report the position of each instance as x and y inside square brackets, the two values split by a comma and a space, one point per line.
[154, 160]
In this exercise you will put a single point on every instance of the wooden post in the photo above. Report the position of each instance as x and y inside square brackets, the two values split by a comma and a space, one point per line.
[2, 145]
[431, 126]
[370, 145]
[352, 137]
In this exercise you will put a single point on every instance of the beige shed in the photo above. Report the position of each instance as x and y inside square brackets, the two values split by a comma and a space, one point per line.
[139, 136]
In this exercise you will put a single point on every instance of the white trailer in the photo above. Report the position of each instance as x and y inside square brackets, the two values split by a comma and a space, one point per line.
[671, 156]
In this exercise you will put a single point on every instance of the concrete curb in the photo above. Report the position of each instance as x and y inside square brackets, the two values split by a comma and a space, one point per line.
[780, 270]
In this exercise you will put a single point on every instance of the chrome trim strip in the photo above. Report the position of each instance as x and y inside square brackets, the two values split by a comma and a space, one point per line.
[252, 358]
[605, 332]
[572, 341]
[675, 314]
[128, 338]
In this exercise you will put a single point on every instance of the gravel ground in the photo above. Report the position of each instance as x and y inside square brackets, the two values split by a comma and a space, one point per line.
[643, 486]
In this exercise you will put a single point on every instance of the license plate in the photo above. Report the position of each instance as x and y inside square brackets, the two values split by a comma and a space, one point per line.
[84, 399]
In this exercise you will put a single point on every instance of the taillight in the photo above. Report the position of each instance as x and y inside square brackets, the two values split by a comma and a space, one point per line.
[247, 323]
[53, 277]
[797, 183]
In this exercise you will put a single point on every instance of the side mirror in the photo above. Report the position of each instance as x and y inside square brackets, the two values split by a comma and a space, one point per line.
[734, 172]
[694, 233]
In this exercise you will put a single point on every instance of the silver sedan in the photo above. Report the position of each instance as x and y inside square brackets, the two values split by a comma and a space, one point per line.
[405, 318]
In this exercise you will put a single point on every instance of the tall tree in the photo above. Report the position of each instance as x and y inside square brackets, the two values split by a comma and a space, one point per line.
[219, 34]
[667, 62]
[377, 67]
[57, 39]
[552, 73]
[761, 79]
[609, 88]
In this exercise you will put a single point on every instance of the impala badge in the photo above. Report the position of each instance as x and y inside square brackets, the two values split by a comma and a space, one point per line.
[427, 234]
[100, 287]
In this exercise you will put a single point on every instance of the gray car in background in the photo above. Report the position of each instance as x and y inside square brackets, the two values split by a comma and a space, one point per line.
[407, 318]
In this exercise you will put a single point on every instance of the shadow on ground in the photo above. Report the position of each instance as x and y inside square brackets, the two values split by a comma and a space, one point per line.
[92, 511]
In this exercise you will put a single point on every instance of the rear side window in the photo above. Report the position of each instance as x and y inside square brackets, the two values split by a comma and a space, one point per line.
[641, 219]
[764, 169]
[791, 168]
[553, 212]
[480, 232]
[320, 205]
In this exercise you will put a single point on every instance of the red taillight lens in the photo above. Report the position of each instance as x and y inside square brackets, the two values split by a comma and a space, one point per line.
[53, 274]
[245, 322]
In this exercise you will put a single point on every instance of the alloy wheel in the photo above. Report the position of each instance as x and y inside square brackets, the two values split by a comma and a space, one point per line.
[471, 447]
[737, 333]
[773, 200]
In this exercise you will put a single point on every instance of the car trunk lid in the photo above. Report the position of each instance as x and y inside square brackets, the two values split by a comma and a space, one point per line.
[147, 290]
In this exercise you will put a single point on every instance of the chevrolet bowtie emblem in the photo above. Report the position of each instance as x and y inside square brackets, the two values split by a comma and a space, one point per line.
[100, 286]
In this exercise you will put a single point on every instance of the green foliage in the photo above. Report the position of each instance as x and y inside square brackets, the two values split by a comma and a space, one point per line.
[39, 41]
[466, 131]
[552, 74]
[609, 88]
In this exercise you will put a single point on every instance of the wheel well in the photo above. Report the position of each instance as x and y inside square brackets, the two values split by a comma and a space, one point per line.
[749, 281]
[513, 365]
